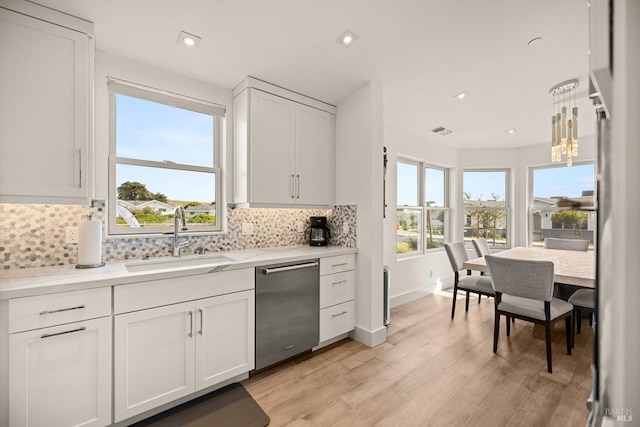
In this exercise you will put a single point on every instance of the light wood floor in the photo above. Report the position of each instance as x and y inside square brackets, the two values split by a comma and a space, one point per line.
[434, 372]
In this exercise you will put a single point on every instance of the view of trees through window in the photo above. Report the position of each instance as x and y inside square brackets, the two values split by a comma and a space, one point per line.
[551, 185]
[485, 207]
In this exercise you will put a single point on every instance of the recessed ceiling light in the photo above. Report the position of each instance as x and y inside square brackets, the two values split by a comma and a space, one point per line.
[188, 40]
[347, 38]
[511, 131]
[461, 95]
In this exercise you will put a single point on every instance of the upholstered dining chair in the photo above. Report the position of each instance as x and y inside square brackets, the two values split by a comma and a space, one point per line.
[566, 244]
[480, 285]
[524, 289]
[481, 247]
[582, 300]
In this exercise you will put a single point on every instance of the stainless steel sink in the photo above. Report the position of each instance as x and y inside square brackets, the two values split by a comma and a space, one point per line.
[164, 263]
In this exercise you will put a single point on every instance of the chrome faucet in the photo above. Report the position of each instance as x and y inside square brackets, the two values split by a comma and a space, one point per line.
[179, 242]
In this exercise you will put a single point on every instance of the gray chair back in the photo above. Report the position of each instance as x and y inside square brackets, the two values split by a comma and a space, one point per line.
[457, 254]
[521, 278]
[481, 246]
[566, 244]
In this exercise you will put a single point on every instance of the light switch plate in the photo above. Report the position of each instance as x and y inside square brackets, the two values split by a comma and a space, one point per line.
[300, 227]
[247, 228]
[345, 227]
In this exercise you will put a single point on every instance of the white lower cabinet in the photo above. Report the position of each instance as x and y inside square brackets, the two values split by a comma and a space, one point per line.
[337, 295]
[61, 375]
[164, 353]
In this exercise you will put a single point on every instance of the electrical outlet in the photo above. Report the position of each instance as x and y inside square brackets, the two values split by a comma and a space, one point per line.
[300, 227]
[247, 228]
[71, 235]
[345, 227]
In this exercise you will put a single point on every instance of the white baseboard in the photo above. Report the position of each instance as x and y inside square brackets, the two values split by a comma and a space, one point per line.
[413, 295]
[369, 338]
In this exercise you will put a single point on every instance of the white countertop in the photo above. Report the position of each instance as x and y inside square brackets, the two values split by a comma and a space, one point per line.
[46, 280]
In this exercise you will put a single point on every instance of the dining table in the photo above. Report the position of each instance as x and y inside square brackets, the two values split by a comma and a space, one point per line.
[576, 268]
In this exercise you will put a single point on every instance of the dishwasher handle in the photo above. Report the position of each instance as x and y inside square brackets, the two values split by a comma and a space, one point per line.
[272, 270]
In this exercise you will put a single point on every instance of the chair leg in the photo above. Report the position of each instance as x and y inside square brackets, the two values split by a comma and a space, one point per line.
[568, 325]
[590, 319]
[508, 327]
[547, 337]
[496, 331]
[579, 320]
[573, 327]
[479, 297]
[453, 304]
[466, 304]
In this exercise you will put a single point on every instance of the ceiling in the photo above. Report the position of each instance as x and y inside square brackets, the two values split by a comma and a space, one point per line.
[422, 52]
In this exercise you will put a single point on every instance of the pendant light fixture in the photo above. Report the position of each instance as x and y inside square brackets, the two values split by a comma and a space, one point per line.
[564, 122]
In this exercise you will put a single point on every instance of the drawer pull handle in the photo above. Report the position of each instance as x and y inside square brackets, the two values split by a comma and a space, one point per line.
[42, 313]
[201, 320]
[338, 265]
[190, 323]
[339, 283]
[62, 333]
[338, 314]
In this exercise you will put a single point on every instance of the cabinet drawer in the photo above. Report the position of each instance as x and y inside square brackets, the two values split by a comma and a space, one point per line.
[336, 288]
[337, 264]
[56, 309]
[337, 320]
[156, 293]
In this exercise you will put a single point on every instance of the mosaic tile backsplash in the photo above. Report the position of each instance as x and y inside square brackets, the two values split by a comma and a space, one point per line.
[34, 235]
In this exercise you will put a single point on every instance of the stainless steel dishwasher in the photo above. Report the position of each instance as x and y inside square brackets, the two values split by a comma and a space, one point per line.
[287, 310]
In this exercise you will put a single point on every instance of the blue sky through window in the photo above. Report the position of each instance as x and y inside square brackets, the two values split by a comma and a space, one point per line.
[563, 181]
[152, 131]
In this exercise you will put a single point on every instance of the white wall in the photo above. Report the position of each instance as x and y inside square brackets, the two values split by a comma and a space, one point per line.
[419, 275]
[359, 182]
[107, 65]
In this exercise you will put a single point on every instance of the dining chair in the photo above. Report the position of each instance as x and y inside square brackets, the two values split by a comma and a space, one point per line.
[479, 285]
[524, 290]
[481, 247]
[582, 300]
[566, 244]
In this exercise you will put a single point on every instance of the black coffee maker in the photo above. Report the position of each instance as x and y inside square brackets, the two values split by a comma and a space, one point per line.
[319, 232]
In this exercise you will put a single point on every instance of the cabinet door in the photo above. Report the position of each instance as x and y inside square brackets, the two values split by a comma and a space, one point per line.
[154, 358]
[314, 156]
[272, 139]
[44, 111]
[225, 337]
[61, 376]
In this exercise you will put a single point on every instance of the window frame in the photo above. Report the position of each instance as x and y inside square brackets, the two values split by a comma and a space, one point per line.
[422, 207]
[437, 209]
[507, 208]
[419, 207]
[530, 195]
[119, 87]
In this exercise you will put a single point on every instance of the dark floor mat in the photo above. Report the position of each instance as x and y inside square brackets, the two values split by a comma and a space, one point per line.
[231, 406]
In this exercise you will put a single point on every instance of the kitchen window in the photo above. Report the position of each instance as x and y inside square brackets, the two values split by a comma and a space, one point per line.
[486, 207]
[164, 153]
[422, 208]
[551, 184]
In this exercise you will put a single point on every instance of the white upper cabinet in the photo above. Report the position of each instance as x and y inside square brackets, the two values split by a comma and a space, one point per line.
[45, 108]
[284, 148]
